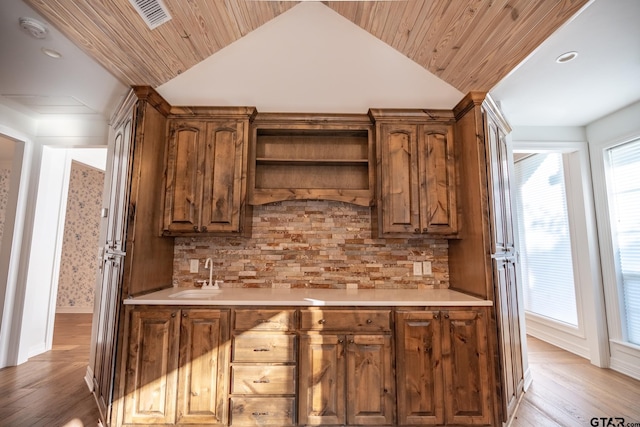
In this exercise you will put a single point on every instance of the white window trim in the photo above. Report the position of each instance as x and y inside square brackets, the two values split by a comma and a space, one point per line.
[590, 340]
[625, 356]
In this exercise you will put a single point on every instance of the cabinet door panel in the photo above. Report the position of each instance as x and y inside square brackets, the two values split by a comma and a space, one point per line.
[119, 187]
[185, 158]
[510, 347]
[370, 390]
[223, 176]
[322, 382]
[203, 366]
[152, 364]
[437, 180]
[466, 368]
[399, 176]
[419, 367]
[107, 322]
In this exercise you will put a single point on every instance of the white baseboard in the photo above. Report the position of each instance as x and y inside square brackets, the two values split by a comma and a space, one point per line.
[74, 309]
[88, 378]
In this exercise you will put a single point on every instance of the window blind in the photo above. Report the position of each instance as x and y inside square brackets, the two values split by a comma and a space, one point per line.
[624, 199]
[545, 242]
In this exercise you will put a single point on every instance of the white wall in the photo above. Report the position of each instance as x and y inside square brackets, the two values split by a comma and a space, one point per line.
[26, 306]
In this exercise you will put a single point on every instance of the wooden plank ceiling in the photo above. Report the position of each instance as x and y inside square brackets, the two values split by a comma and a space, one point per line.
[471, 44]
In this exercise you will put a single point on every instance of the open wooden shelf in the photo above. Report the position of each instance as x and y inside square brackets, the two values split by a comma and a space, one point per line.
[297, 158]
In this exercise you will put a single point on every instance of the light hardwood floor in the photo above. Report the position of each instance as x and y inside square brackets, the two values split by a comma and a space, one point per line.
[568, 391]
[49, 390]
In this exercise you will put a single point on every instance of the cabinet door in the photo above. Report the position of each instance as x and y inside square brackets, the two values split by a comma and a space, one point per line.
[224, 177]
[204, 355]
[399, 178]
[510, 347]
[499, 180]
[151, 367]
[105, 342]
[436, 163]
[119, 175]
[370, 390]
[419, 368]
[184, 180]
[466, 368]
[322, 382]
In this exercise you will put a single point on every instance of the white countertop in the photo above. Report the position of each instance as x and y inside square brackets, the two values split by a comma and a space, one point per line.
[308, 297]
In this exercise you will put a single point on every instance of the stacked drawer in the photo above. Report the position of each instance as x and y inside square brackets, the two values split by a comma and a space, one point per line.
[263, 368]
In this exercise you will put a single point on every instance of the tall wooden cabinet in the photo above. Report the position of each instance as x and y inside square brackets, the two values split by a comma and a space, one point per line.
[483, 261]
[206, 177]
[416, 172]
[134, 258]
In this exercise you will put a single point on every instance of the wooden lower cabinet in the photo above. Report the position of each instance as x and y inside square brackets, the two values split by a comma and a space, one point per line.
[310, 367]
[176, 367]
[444, 375]
[263, 368]
[346, 378]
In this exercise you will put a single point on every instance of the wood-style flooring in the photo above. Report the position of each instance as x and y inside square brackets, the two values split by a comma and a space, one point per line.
[568, 391]
[49, 390]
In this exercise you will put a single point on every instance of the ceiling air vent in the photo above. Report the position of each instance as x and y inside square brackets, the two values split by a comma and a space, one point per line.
[154, 12]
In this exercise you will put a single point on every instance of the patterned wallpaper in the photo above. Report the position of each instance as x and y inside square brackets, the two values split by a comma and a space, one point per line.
[5, 175]
[313, 244]
[76, 285]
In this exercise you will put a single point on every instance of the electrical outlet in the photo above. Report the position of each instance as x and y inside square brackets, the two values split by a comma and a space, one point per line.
[426, 268]
[194, 266]
[417, 268]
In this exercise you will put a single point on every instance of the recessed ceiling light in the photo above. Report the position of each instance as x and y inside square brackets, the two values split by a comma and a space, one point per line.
[51, 53]
[566, 57]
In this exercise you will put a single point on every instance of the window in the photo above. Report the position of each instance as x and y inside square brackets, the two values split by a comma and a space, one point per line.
[623, 187]
[545, 242]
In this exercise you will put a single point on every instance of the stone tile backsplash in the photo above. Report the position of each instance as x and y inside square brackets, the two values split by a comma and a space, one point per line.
[316, 244]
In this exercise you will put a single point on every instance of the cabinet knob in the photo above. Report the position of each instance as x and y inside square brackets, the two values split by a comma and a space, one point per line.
[417, 230]
[424, 230]
[322, 321]
[195, 228]
[204, 228]
[261, 381]
[369, 321]
[436, 316]
[173, 315]
[185, 315]
[446, 316]
[257, 414]
[351, 341]
[340, 341]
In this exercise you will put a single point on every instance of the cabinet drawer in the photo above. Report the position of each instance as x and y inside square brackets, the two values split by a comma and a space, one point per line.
[346, 320]
[264, 320]
[264, 348]
[263, 380]
[262, 411]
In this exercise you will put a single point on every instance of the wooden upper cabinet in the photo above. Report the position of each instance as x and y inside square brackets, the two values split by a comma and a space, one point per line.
[417, 182]
[206, 177]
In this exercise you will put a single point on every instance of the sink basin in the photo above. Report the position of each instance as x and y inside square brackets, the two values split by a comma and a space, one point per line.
[196, 293]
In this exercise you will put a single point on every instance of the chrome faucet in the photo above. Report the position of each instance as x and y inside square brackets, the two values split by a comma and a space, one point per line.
[211, 285]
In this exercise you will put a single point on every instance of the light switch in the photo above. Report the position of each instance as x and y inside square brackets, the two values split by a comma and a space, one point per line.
[426, 268]
[417, 268]
[194, 266]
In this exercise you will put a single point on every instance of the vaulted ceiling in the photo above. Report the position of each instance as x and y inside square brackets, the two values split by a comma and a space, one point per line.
[470, 44]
